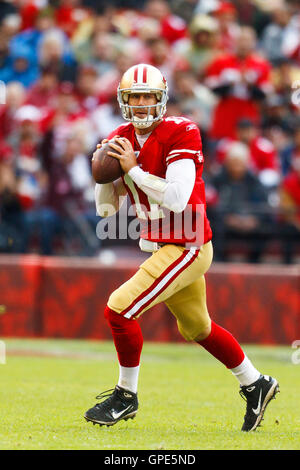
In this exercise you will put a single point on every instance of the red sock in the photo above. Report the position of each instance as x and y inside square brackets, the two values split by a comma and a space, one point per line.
[127, 336]
[223, 346]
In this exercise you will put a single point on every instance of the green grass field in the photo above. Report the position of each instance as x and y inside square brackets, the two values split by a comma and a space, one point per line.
[187, 399]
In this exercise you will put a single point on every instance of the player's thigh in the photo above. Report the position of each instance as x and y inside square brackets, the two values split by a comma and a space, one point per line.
[166, 272]
[137, 289]
[190, 309]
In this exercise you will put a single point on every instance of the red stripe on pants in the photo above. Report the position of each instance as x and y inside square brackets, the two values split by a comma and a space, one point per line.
[158, 280]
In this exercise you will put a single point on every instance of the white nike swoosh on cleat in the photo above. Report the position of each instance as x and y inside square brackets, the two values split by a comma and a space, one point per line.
[257, 410]
[117, 415]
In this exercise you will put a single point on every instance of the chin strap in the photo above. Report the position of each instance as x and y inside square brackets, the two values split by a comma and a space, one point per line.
[143, 123]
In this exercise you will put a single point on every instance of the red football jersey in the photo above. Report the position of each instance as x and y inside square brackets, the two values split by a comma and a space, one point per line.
[175, 138]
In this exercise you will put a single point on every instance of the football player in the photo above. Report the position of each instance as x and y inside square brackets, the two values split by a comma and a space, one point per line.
[162, 162]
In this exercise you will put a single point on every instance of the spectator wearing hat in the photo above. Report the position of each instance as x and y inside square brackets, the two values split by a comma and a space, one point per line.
[226, 15]
[240, 211]
[201, 48]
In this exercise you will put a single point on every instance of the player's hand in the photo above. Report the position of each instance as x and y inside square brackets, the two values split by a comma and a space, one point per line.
[125, 155]
[103, 141]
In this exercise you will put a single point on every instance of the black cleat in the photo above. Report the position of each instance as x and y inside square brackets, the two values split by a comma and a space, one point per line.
[257, 396]
[119, 404]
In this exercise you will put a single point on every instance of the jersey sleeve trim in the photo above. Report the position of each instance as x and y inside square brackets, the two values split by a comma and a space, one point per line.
[196, 155]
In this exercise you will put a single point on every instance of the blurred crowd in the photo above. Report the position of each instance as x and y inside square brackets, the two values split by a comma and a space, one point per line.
[232, 67]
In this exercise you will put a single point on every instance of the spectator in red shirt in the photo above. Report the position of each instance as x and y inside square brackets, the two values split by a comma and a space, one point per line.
[242, 80]
[15, 97]
[263, 155]
[172, 27]
[69, 14]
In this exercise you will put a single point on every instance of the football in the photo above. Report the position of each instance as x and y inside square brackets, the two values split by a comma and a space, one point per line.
[105, 168]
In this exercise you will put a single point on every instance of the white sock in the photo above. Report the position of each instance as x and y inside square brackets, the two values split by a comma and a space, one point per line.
[246, 372]
[128, 378]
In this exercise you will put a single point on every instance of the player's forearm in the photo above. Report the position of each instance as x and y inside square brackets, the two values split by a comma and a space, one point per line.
[174, 191]
[109, 198]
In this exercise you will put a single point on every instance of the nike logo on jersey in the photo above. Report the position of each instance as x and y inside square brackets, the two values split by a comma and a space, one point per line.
[117, 415]
[257, 410]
